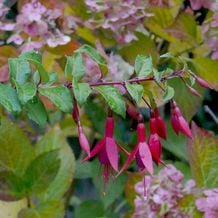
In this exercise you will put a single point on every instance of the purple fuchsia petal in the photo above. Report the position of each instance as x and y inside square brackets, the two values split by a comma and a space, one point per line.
[146, 157]
[112, 152]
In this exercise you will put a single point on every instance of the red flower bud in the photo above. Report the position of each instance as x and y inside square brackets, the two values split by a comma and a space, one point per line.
[202, 83]
[83, 141]
[155, 147]
[194, 92]
[133, 113]
[178, 122]
[161, 126]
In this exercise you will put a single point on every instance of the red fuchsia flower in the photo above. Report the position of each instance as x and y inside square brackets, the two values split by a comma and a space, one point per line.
[178, 122]
[107, 151]
[161, 126]
[141, 152]
[154, 143]
[84, 144]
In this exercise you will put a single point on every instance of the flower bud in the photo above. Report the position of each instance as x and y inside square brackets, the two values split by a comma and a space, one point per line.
[83, 141]
[202, 83]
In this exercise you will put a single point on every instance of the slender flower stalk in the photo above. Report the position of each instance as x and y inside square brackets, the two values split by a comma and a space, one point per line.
[178, 122]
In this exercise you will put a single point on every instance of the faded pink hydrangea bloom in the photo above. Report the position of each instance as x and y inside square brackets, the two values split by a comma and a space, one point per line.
[40, 23]
[209, 203]
[197, 4]
[4, 24]
[122, 17]
[158, 196]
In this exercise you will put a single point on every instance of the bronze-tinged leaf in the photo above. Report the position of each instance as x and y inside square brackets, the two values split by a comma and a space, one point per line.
[203, 157]
[66, 49]
[6, 52]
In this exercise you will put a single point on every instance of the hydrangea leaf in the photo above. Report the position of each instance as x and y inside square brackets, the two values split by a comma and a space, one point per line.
[203, 156]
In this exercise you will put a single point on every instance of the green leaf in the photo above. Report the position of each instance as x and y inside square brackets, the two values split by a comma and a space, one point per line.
[144, 45]
[143, 65]
[81, 92]
[10, 209]
[92, 53]
[175, 144]
[9, 99]
[51, 209]
[16, 152]
[54, 140]
[203, 156]
[113, 98]
[78, 68]
[36, 111]
[12, 185]
[42, 171]
[68, 70]
[167, 55]
[60, 96]
[136, 91]
[91, 209]
[19, 70]
[169, 93]
[26, 91]
[207, 69]
[36, 58]
[157, 75]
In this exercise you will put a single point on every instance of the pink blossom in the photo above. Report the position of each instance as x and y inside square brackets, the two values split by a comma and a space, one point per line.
[209, 203]
[163, 193]
[197, 4]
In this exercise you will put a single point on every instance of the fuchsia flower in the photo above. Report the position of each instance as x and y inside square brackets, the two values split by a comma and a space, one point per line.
[141, 152]
[178, 122]
[107, 151]
[161, 126]
[154, 143]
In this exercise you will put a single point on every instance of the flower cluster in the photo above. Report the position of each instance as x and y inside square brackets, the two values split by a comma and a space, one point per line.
[37, 26]
[159, 196]
[121, 17]
[209, 203]
[210, 25]
[144, 152]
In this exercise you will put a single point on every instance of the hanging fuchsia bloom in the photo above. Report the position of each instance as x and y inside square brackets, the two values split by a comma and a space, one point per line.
[178, 122]
[154, 143]
[141, 152]
[161, 126]
[107, 151]
[202, 82]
